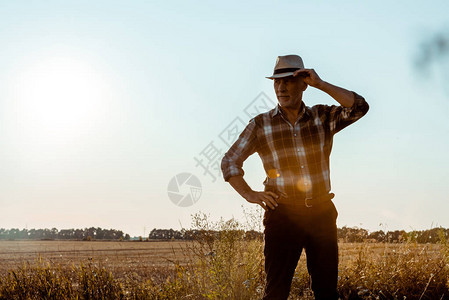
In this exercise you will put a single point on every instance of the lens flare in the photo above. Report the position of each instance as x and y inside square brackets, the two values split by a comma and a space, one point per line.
[273, 173]
[304, 184]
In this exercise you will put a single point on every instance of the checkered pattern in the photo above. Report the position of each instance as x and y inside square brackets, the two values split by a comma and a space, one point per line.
[295, 158]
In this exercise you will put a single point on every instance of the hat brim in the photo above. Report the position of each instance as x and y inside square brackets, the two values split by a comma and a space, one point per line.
[280, 75]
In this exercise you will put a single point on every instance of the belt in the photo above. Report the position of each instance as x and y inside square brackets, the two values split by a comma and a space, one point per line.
[307, 202]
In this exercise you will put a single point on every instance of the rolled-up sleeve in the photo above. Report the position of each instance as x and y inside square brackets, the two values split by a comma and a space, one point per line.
[246, 144]
[340, 116]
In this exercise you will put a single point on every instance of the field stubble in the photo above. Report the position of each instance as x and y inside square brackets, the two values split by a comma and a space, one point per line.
[115, 256]
[223, 266]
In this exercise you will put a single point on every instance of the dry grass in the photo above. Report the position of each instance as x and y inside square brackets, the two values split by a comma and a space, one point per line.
[118, 257]
[213, 267]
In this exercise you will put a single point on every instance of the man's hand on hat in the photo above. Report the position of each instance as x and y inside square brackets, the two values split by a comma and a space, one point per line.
[310, 77]
[264, 199]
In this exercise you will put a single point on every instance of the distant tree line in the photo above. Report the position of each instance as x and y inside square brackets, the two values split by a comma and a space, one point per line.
[345, 234]
[355, 235]
[91, 233]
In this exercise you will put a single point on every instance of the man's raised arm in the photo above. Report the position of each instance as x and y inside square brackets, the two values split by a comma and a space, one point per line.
[352, 106]
[343, 96]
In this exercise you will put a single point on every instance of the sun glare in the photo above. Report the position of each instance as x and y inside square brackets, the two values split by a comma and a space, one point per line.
[59, 97]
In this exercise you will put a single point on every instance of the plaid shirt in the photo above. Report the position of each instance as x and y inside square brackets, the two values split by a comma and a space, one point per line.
[295, 157]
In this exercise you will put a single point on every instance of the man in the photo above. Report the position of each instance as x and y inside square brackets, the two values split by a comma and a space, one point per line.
[294, 142]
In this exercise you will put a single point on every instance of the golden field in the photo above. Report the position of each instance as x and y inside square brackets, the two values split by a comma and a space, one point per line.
[232, 270]
[114, 255]
[219, 263]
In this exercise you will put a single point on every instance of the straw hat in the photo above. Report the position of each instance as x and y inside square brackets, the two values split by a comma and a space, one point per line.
[286, 65]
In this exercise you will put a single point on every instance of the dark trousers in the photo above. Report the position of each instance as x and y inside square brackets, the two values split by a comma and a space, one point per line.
[288, 230]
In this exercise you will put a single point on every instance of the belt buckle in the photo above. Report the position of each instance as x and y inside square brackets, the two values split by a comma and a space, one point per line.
[306, 204]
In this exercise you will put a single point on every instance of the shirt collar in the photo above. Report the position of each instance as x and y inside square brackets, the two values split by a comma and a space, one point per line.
[278, 111]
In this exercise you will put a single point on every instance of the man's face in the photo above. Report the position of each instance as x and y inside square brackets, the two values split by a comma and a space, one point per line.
[289, 91]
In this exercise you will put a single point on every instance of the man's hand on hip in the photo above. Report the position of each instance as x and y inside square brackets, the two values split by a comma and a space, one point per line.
[265, 199]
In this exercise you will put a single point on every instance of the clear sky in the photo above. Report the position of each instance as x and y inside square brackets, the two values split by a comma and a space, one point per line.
[102, 103]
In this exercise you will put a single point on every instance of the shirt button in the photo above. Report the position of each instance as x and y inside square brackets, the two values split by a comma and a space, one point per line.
[302, 167]
[295, 134]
